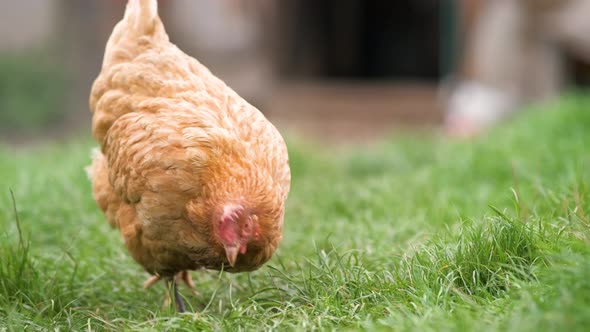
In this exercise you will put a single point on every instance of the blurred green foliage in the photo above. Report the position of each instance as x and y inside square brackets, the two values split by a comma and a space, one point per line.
[32, 91]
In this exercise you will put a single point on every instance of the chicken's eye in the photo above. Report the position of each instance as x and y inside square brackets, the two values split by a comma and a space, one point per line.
[248, 227]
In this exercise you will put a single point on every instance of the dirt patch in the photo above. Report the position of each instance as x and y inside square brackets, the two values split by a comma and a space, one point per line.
[353, 111]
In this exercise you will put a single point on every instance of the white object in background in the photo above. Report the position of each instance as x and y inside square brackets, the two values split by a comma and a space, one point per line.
[473, 107]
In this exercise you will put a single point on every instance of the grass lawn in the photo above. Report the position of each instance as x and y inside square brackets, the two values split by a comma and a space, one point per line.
[413, 234]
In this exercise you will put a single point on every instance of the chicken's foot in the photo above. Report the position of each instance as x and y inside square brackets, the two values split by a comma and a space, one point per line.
[184, 277]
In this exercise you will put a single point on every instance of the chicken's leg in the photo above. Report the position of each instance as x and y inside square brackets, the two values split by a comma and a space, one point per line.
[167, 299]
[180, 307]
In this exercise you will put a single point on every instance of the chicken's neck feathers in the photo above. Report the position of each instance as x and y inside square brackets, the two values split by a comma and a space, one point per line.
[142, 15]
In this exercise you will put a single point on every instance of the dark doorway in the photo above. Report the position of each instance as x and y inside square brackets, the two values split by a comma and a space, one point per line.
[360, 39]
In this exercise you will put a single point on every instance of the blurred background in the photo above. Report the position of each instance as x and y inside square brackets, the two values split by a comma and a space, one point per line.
[342, 70]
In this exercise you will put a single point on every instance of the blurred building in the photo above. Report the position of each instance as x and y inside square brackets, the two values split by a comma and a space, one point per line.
[26, 24]
[331, 66]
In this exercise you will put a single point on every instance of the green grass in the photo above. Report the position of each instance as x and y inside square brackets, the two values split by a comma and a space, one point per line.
[412, 234]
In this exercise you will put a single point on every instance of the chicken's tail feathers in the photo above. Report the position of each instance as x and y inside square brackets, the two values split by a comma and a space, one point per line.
[142, 15]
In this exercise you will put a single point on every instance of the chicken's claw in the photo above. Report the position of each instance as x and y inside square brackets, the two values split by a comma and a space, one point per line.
[151, 281]
[185, 276]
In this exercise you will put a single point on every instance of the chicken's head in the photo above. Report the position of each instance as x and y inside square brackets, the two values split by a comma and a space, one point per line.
[236, 227]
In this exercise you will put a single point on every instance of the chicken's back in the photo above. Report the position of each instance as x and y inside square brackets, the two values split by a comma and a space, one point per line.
[141, 65]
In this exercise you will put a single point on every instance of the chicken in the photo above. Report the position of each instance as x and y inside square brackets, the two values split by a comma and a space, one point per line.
[191, 174]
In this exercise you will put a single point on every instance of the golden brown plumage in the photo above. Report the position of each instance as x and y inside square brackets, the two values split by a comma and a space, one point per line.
[192, 175]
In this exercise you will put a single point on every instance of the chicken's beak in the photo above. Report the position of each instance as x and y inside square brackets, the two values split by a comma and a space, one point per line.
[232, 254]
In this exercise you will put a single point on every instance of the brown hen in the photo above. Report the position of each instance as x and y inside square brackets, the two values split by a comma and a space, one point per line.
[190, 173]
